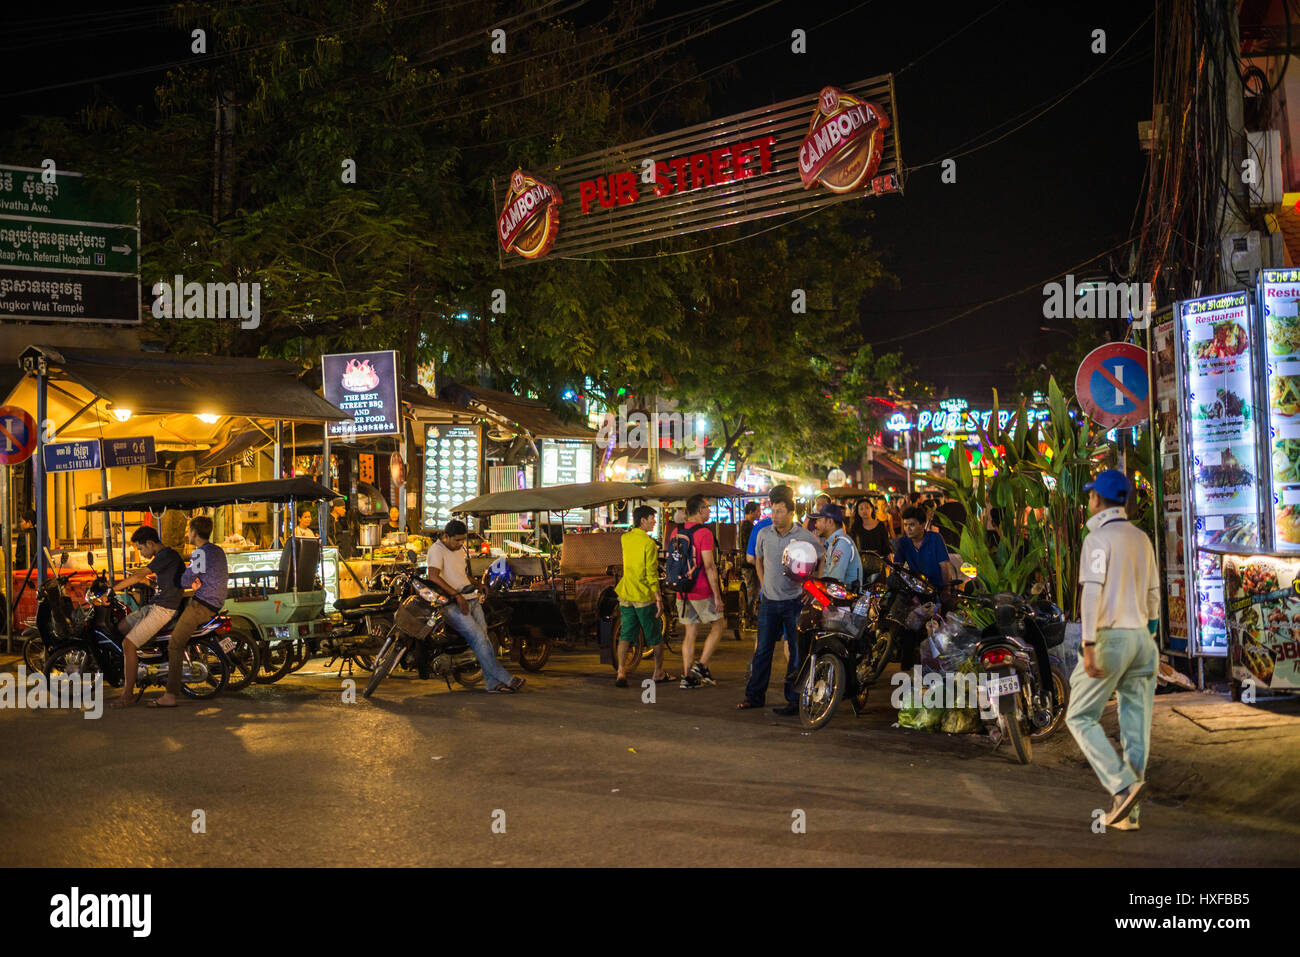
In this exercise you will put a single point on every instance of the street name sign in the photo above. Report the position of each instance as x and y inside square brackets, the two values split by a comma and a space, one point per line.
[71, 456]
[136, 450]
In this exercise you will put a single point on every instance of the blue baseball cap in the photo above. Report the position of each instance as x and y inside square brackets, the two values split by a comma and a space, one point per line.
[831, 511]
[1112, 485]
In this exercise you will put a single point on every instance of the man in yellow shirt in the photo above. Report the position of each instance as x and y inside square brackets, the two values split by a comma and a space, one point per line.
[640, 604]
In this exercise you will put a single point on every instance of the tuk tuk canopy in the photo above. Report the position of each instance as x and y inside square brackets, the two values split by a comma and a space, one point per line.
[220, 493]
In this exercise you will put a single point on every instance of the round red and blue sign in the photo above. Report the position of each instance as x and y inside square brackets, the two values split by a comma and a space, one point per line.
[17, 435]
[1112, 385]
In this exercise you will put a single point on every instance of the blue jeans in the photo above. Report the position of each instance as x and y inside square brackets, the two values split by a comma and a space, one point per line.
[473, 628]
[774, 618]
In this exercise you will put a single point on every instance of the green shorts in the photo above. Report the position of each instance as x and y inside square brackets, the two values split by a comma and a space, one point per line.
[644, 619]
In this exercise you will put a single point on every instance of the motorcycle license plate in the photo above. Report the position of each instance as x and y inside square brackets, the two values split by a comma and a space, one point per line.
[227, 645]
[1008, 684]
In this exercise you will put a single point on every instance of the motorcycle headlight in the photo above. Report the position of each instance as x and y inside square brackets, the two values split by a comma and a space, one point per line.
[425, 592]
[836, 590]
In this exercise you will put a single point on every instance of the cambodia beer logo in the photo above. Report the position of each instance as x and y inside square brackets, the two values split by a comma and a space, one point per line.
[845, 141]
[530, 219]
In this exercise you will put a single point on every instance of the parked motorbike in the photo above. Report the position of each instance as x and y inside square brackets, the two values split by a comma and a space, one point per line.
[1028, 684]
[96, 647]
[54, 619]
[847, 637]
[421, 640]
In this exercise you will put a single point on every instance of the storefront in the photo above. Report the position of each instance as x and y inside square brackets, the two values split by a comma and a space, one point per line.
[120, 422]
[1231, 476]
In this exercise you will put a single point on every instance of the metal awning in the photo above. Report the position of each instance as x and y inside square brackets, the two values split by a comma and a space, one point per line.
[217, 494]
[557, 498]
[165, 391]
[524, 415]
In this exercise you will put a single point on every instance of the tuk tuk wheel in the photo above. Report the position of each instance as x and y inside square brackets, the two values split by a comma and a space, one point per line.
[244, 660]
[533, 650]
[276, 660]
[301, 655]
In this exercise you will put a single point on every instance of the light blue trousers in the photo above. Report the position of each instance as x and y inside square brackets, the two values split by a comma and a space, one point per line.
[1129, 658]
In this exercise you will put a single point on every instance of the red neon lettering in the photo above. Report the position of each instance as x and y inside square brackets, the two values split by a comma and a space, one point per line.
[663, 186]
[720, 160]
[586, 194]
[765, 145]
[625, 188]
[679, 173]
[700, 171]
[739, 159]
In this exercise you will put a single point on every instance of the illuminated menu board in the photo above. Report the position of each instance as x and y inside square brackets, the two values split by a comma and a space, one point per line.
[451, 470]
[1216, 335]
[567, 462]
[1279, 296]
[1220, 409]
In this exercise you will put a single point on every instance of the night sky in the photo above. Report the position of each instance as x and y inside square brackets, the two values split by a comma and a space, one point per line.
[1025, 209]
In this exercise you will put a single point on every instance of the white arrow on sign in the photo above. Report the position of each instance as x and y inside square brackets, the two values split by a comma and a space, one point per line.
[121, 249]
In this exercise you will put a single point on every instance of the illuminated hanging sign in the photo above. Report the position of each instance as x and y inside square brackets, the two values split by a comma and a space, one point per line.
[844, 143]
[956, 417]
[530, 218]
[768, 162]
[898, 423]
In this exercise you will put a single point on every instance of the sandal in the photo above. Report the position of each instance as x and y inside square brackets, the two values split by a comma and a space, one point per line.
[620, 682]
[666, 677]
[747, 705]
[156, 704]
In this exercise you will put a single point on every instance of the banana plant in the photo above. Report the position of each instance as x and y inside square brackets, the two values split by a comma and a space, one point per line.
[1036, 487]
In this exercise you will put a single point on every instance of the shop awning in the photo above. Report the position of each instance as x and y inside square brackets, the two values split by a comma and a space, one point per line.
[217, 494]
[557, 498]
[525, 415]
[159, 384]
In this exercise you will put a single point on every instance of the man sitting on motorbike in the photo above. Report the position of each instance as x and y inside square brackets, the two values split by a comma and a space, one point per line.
[925, 553]
[141, 626]
[448, 571]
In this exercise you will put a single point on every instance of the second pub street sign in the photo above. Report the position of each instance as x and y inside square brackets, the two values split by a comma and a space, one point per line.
[793, 156]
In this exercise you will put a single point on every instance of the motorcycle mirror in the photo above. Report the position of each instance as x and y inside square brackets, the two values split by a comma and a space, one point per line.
[90, 560]
[63, 559]
[411, 556]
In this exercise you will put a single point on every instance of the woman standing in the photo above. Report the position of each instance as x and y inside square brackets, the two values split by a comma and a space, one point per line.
[867, 532]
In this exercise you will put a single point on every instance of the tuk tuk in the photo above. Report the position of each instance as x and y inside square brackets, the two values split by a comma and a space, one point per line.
[281, 605]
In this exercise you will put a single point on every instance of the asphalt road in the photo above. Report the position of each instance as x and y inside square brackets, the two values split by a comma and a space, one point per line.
[578, 772]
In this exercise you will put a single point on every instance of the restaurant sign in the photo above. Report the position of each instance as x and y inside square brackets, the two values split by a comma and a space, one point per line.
[363, 384]
[797, 155]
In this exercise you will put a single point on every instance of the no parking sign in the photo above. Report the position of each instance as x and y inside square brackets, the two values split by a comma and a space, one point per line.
[1112, 385]
[17, 435]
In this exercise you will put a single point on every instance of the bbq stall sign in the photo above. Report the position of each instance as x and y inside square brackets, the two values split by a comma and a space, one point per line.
[798, 155]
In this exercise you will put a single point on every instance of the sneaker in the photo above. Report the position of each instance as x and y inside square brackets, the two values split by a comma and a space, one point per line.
[1124, 802]
[702, 672]
[690, 681]
[1129, 823]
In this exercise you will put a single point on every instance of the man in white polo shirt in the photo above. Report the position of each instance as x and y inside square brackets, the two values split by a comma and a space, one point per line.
[1121, 610]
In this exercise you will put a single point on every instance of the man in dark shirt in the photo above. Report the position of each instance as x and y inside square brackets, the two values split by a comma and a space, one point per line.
[22, 541]
[955, 513]
[208, 576]
[923, 552]
[141, 626]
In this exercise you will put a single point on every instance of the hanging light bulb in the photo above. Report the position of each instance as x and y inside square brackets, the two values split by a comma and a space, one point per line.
[207, 417]
[122, 415]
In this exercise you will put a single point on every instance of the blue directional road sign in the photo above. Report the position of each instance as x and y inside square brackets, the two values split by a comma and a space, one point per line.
[137, 450]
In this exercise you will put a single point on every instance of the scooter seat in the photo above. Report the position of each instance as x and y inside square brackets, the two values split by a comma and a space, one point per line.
[358, 601]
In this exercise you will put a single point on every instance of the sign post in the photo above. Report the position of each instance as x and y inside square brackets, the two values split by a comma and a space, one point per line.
[17, 442]
[69, 249]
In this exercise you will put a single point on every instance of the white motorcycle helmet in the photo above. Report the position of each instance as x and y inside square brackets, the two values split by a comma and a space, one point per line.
[799, 560]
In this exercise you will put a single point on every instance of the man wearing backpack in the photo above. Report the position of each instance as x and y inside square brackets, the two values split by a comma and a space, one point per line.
[693, 575]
